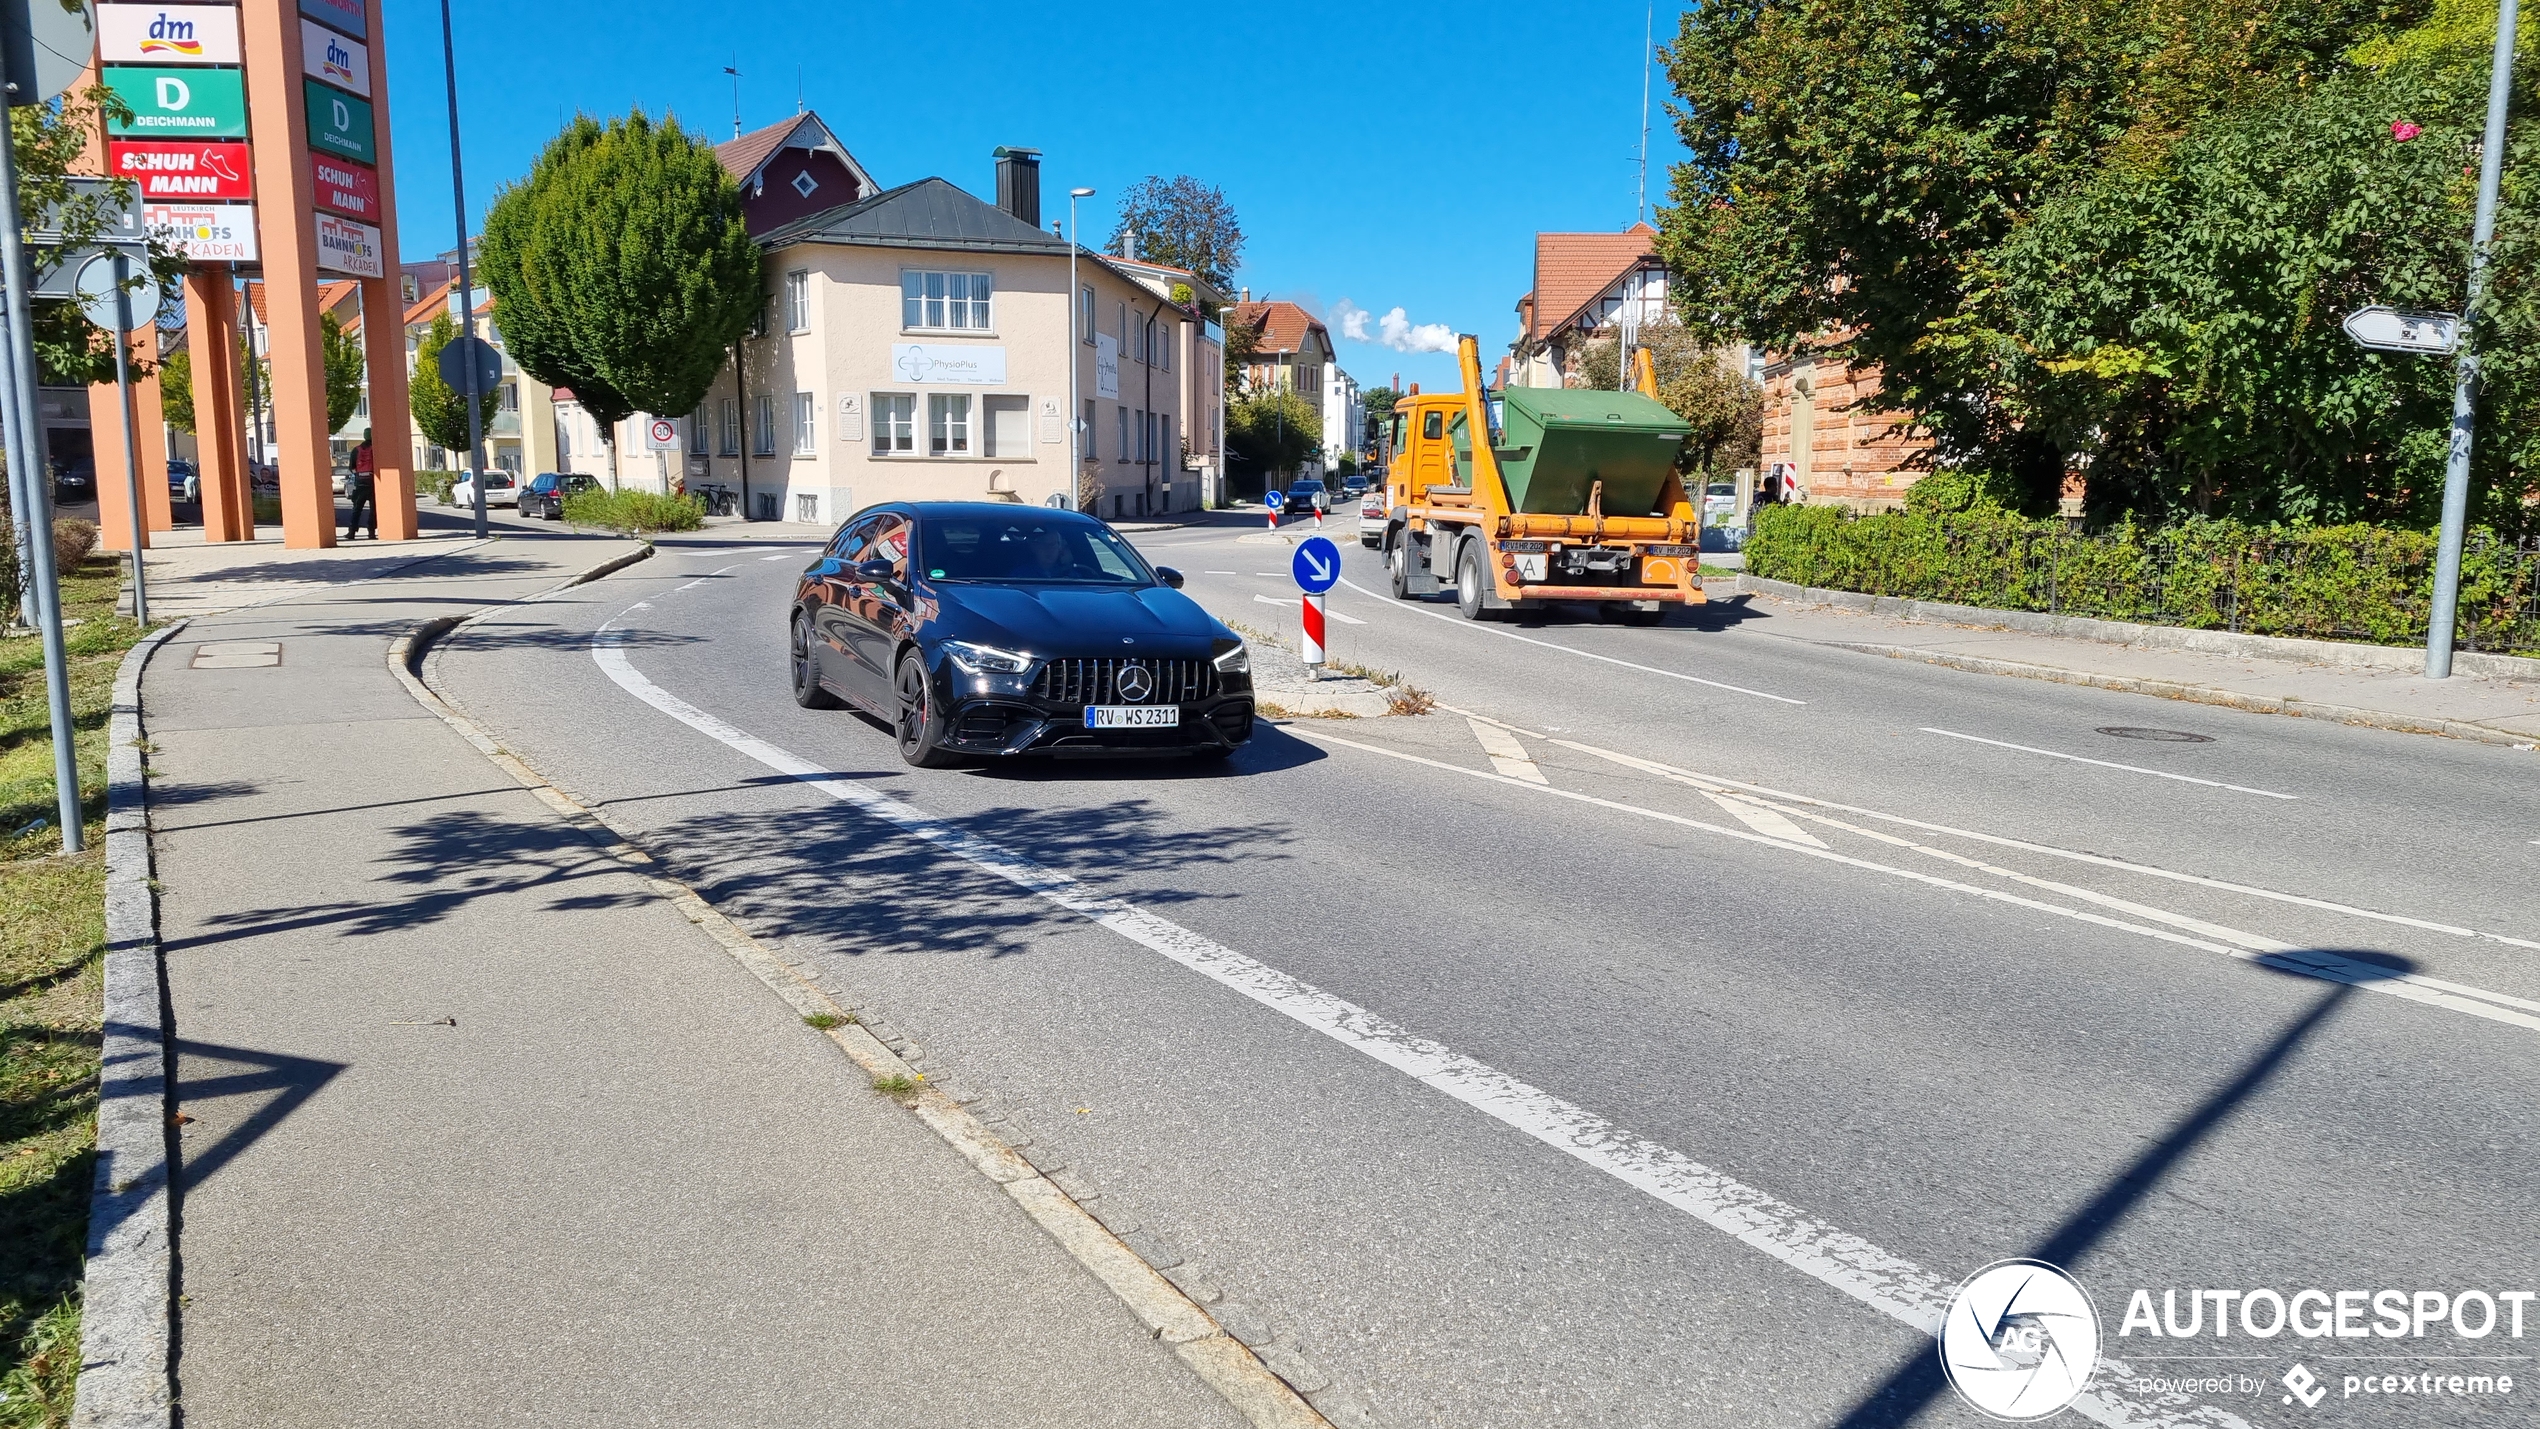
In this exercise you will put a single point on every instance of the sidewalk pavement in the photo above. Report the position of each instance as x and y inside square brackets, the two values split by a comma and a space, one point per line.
[482, 1131]
[2497, 711]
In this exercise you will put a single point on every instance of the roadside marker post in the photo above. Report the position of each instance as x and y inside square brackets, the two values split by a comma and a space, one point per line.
[1317, 568]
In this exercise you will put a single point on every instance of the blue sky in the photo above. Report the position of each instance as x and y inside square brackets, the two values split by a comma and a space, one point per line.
[1386, 155]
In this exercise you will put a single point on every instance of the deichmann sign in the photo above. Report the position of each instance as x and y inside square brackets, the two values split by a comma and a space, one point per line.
[340, 123]
[179, 103]
[346, 187]
[205, 232]
[344, 246]
[183, 170]
[329, 56]
[346, 15]
[167, 34]
[937, 363]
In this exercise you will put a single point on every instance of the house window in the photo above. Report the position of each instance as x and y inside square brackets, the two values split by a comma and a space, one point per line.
[763, 440]
[947, 424]
[1167, 334]
[697, 431]
[1085, 432]
[511, 396]
[948, 302]
[1005, 427]
[798, 302]
[807, 509]
[731, 443]
[894, 424]
[1122, 451]
[802, 424]
[1085, 314]
[758, 325]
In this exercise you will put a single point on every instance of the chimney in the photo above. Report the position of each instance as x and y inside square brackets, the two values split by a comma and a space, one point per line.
[1247, 297]
[1019, 183]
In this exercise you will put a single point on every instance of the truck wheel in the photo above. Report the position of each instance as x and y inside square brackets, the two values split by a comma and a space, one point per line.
[1398, 564]
[1472, 584]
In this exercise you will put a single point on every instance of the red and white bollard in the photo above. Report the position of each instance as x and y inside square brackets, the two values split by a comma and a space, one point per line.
[1310, 622]
[1274, 514]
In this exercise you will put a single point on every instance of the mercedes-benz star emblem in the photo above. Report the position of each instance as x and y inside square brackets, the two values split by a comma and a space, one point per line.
[1135, 683]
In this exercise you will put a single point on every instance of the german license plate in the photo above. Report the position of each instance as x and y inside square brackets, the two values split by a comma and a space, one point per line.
[1133, 716]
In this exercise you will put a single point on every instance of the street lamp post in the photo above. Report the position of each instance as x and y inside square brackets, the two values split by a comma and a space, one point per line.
[2491, 169]
[1075, 340]
[467, 281]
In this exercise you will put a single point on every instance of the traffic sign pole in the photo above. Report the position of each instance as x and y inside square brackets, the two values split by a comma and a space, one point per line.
[2491, 169]
[1310, 621]
[131, 435]
[467, 280]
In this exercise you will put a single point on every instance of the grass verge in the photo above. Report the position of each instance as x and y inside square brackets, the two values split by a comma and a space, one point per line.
[52, 946]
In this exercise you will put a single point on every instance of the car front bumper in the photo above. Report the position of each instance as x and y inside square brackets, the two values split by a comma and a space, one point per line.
[987, 716]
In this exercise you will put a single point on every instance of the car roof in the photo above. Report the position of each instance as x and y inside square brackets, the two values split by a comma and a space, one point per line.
[984, 510]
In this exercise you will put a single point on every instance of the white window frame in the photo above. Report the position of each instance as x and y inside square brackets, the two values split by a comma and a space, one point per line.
[894, 424]
[798, 300]
[1085, 314]
[948, 426]
[928, 301]
[805, 418]
[763, 440]
[730, 428]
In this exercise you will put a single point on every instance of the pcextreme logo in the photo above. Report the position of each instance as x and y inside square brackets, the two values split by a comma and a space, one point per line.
[2019, 1340]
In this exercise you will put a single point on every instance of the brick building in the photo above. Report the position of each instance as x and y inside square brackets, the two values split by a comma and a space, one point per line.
[1824, 428]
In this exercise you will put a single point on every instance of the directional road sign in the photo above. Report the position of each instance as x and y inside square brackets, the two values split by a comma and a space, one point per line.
[97, 299]
[1317, 565]
[2398, 330]
[463, 350]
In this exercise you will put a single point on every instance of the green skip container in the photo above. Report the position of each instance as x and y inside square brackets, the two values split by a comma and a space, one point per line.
[1558, 442]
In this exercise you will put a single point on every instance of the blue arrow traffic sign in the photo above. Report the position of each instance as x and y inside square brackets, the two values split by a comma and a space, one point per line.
[1317, 565]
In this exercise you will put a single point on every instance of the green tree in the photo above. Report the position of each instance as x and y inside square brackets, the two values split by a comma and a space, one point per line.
[1273, 432]
[50, 138]
[624, 255]
[343, 354]
[439, 409]
[1183, 223]
[1726, 410]
[1379, 404]
[176, 391]
[1243, 339]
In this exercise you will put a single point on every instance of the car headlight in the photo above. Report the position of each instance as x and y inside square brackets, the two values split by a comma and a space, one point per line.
[986, 659]
[1237, 661]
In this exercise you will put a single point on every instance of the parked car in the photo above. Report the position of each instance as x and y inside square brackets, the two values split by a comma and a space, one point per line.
[342, 480]
[545, 493]
[501, 489]
[1353, 484]
[978, 629]
[1371, 519]
[1306, 499]
[74, 480]
[1719, 503]
[184, 484]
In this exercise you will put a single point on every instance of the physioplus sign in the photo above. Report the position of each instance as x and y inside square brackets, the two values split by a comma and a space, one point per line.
[205, 232]
[171, 103]
[164, 170]
[942, 364]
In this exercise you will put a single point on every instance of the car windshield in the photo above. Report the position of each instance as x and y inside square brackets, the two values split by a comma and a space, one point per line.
[1031, 549]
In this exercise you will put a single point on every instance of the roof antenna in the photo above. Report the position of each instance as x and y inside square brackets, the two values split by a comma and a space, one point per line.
[734, 69]
[798, 89]
[1648, 35]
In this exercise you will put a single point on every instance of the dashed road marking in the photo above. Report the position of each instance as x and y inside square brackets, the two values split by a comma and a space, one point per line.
[1506, 754]
[2109, 764]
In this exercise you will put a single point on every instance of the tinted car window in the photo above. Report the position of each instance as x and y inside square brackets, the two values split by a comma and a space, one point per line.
[1030, 549]
[851, 537]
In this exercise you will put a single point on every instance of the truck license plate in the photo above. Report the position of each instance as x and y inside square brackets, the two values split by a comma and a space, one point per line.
[1133, 716]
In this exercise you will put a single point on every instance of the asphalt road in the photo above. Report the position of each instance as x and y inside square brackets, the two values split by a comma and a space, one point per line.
[1655, 1031]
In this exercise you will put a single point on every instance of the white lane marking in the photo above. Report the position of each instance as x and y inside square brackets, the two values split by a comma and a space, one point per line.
[2049, 850]
[692, 585]
[1569, 649]
[1763, 820]
[2329, 967]
[1506, 754]
[1889, 1283]
[1290, 603]
[1220, 573]
[2109, 764]
[1486, 719]
[780, 555]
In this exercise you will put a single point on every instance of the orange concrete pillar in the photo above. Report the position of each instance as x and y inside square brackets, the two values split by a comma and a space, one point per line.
[384, 329]
[158, 505]
[286, 230]
[105, 431]
[220, 408]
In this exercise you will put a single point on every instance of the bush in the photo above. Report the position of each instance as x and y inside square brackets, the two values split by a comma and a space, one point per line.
[73, 542]
[8, 570]
[634, 512]
[2363, 583]
[436, 484]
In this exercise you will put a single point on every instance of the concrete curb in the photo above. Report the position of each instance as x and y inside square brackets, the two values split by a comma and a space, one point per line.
[2199, 694]
[1221, 1360]
[2163, 637]
[126, 1327]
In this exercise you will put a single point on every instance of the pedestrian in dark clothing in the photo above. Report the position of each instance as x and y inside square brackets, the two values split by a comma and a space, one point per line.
[363, 489]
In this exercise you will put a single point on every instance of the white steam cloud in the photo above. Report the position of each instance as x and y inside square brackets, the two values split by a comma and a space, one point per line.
[1395, 329]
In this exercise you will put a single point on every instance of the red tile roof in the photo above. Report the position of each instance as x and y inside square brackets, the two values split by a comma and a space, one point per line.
[1572, 268]
[742, 156]
[1284, 327]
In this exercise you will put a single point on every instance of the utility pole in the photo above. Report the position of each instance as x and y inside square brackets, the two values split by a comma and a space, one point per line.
[734, 69]
[1648, 42]
[467, 282]
[2491, 171]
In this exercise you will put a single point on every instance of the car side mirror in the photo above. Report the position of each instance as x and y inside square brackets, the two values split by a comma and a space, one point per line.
[1169, 576]
[876, 569]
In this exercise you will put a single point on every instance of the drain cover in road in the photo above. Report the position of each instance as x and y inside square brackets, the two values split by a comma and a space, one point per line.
[2163, 736]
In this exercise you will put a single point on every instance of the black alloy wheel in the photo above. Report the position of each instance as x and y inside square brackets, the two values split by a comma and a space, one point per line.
[920, 726]
[807, 689]
[1472, 584]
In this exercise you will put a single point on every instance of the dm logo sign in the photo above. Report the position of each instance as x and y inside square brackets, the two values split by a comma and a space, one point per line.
[2020, 1340]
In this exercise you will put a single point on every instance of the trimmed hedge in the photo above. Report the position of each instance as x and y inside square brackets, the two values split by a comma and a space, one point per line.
[2363, 583]
[634, 512]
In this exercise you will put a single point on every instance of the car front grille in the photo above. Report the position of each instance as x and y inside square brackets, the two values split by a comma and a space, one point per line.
[1097, 682]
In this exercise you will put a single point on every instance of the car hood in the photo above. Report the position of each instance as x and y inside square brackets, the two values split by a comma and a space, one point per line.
[1076, 620]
